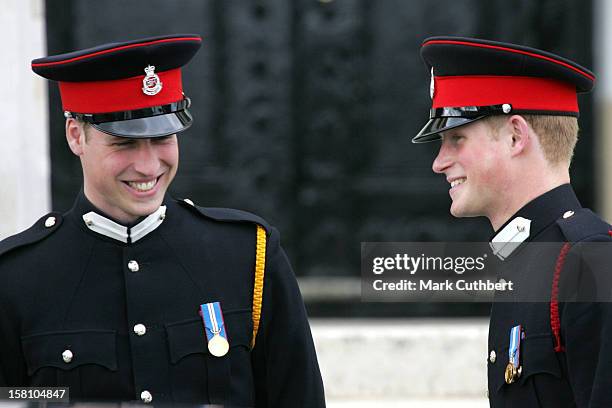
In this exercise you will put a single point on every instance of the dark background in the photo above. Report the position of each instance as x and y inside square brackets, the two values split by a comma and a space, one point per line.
[305, 110]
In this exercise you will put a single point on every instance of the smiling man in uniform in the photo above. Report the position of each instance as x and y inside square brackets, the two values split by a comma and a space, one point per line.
[506, 117]
[132, 295]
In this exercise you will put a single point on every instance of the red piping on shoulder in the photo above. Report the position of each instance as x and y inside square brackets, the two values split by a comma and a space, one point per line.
[555, 321]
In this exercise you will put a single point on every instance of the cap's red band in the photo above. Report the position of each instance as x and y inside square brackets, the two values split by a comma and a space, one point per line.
[120, 95]
[524, 93]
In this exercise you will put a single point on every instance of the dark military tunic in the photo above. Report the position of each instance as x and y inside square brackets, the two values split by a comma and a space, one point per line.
[113, 319]
[574, 368]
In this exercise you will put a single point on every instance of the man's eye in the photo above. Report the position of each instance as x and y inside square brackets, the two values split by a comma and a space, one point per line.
[162, 139]
[125, 143]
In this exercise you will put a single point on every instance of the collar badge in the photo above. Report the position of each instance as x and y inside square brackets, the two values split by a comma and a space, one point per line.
[151, 84]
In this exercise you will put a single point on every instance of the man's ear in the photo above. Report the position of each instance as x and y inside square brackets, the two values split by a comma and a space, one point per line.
[75, 136]
[521, 134]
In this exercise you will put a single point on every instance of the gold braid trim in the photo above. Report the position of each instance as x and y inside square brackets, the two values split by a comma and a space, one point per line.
[260, 267]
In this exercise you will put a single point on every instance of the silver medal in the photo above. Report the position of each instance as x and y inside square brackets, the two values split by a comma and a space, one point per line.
[218, 346]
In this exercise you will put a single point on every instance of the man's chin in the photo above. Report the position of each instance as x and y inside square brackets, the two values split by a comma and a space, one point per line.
[456, 214]
[143, 209]
[459, 211]
[455, 210]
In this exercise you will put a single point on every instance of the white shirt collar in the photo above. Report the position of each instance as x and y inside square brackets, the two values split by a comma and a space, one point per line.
[111, 229]
[510, 237]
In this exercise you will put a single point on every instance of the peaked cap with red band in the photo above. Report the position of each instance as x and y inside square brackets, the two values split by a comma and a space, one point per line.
[131, 89]
[473, 78]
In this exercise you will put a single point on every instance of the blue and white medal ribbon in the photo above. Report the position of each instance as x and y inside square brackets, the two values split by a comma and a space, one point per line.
[212, 316]
[513, 369]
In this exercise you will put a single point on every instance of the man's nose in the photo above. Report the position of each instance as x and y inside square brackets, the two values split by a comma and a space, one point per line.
[146, 160]
[442, 160]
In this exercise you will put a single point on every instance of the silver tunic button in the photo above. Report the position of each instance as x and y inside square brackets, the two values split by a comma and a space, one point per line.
[188, 201]
[140, 329]
[133, 266]
[49, 222]
[146, 397]
[492, 356]
[67, 356]
[568, 214]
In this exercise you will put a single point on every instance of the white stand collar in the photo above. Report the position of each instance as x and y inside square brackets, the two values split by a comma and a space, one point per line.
[510, 237]
[111, 229]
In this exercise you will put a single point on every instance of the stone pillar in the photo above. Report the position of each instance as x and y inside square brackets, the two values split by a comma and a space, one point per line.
[603, 97]
[24, 164]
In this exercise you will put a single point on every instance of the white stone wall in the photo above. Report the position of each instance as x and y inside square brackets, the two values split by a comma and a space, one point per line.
[24, 153]
[403, 362]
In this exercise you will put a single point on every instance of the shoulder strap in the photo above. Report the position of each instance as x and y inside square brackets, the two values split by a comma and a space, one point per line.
[225, 214]
[41, 229]
[260, 267]
[583, 224]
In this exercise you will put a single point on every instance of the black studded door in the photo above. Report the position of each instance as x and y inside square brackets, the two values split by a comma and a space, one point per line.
[304, 111]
